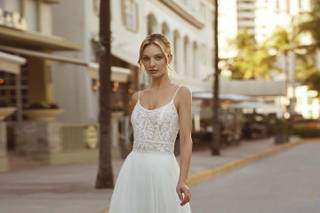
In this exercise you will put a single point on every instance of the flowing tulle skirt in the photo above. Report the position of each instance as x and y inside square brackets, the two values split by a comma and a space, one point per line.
[147, 184]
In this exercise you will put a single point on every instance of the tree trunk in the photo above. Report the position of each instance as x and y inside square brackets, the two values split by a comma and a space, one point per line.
[215, 144]
[105, 174]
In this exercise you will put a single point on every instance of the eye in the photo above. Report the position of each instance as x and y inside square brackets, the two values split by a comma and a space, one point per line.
[145, 58]
[158, 57]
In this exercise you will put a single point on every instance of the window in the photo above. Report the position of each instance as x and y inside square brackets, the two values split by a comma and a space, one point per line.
[195, 60]
[288, 9]
[203, 10]
[299, 4]
[277, 6]
[176, 51]
[130, 14]
[152, 24]
[165, 30]
[186, 54]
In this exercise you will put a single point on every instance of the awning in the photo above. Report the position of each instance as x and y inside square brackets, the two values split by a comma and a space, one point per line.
[228, 96]
[11, 63]
[118, 73]
[254, 87]
[256, 105]
[122, 50]
[125, 56]
[34, 41]
[38, 54]
[51, 1]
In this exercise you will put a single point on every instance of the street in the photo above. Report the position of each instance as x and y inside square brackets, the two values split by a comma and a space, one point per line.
[287, 182]
[282, 182]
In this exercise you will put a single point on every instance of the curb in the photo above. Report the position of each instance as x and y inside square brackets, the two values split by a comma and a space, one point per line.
[217, 171]
[211, 173]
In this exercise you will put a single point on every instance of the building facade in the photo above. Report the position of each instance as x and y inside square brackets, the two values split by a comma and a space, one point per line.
[280, 13]
[27, 45]
[186, 23]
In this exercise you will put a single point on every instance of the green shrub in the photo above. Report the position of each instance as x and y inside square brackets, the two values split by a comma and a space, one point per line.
[306, 132]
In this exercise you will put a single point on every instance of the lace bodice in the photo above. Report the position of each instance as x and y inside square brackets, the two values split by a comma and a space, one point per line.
[155, 130]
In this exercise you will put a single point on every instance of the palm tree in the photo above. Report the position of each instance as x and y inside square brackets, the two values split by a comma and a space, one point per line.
[215, 144]
[281, 42]
[105, 175]
[311, 21]
[253, 60]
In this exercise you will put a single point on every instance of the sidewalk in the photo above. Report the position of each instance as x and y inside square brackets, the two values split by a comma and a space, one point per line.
[70, 188]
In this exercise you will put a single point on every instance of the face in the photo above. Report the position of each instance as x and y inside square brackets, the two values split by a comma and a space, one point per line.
[154, 61]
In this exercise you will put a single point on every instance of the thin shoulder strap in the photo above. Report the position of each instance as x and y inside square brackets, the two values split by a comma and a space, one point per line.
[139, 95]
[175, 93]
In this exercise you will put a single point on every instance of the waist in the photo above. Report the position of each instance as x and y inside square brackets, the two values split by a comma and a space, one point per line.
[153, 146]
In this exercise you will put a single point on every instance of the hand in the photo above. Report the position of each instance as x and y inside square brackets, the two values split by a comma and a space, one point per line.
[184, 193]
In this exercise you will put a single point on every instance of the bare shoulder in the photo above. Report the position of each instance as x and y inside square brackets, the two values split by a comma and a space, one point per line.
[184, 99]
[184, 93]
[134, 99]
[134, 96]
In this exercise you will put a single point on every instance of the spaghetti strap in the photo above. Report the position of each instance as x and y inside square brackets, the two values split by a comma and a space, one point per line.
[139, 96]
[175, 93]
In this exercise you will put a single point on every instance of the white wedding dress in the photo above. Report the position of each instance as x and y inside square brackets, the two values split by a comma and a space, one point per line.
[148, 178]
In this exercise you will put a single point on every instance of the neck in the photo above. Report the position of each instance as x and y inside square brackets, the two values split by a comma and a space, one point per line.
[160, 82]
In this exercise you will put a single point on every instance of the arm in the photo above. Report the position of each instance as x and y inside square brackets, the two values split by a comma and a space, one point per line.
[185, 123]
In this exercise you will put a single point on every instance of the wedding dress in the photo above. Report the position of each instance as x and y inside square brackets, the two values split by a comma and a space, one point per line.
[148, 177]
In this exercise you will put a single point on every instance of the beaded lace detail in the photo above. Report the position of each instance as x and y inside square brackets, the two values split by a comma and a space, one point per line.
[155, 130]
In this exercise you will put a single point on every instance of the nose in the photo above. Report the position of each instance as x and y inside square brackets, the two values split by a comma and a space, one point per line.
[152, 62]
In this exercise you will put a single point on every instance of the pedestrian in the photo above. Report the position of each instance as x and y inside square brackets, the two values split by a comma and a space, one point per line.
[150, 179]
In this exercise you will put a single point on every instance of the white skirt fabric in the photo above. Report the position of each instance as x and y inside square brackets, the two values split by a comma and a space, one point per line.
[147, 184]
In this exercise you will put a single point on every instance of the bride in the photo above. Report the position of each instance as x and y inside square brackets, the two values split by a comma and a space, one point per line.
[150, 179]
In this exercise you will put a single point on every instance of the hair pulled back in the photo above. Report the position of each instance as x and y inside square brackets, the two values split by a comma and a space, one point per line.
[157, 39]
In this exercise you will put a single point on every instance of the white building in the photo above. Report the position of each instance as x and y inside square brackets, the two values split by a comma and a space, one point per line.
[246, 15]
[234, 16]
[227, 27]
[187, 24]
[259, 17]
[279, 13]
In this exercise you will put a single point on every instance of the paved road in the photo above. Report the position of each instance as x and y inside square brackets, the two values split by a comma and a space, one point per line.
[288, 182]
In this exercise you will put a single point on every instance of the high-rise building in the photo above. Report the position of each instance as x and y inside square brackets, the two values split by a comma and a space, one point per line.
[270, 14]
[246, 15]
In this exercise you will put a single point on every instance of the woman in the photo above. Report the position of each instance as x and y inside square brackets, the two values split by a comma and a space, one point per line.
[150, 180]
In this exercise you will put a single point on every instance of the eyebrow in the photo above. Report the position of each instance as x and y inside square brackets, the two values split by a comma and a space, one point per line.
[158, 54]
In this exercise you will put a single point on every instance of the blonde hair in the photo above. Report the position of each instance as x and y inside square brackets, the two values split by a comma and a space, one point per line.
[157, 39]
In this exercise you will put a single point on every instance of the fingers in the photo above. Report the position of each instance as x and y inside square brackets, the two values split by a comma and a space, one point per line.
[186, 198]
[184, 195]
[180, 195]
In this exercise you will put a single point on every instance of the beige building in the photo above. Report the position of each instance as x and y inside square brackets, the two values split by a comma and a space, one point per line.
[27, 45]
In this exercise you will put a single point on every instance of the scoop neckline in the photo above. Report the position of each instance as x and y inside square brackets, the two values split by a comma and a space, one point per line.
[159, 107]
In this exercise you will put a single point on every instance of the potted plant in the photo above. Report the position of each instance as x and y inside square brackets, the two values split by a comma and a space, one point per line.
[42, 111]
[5, 110]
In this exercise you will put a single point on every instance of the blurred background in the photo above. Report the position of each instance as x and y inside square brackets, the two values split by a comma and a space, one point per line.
[269, 63]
